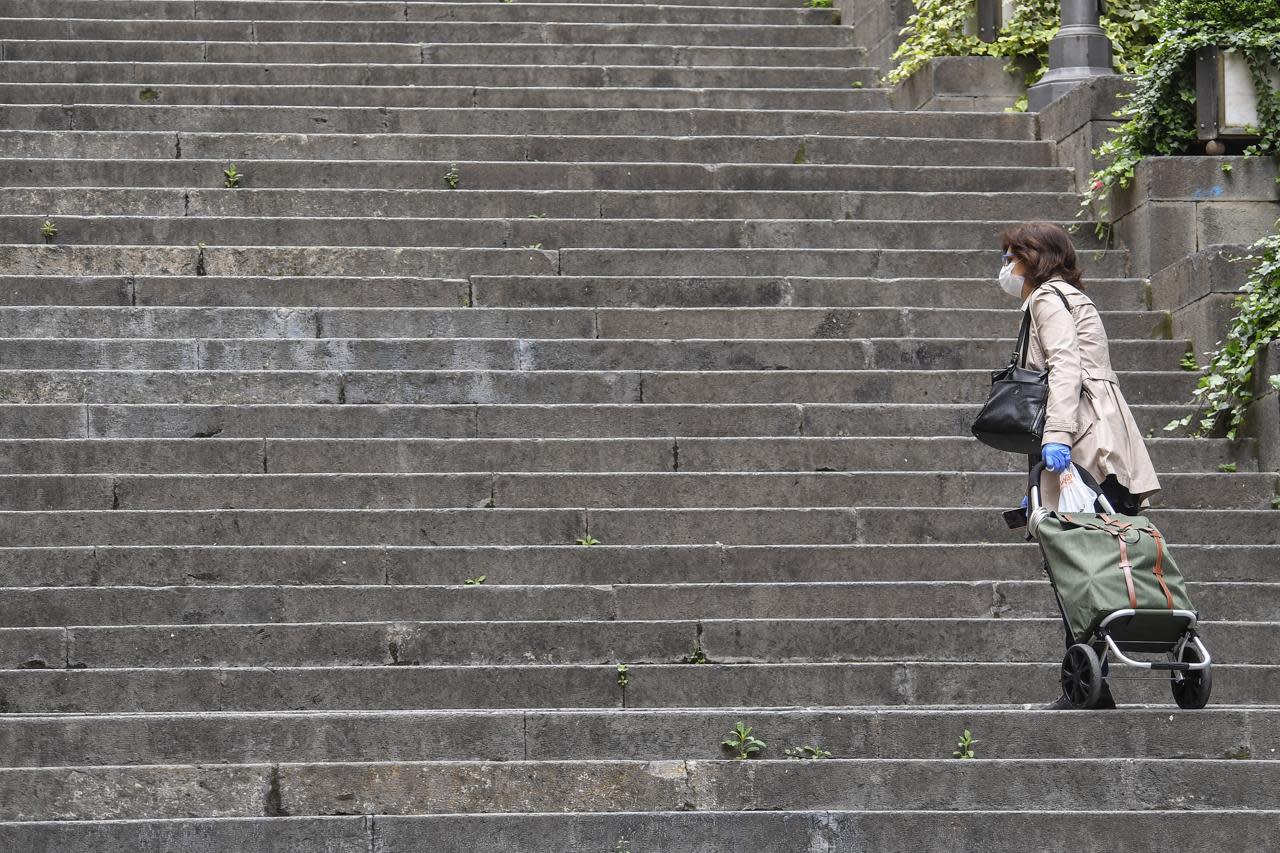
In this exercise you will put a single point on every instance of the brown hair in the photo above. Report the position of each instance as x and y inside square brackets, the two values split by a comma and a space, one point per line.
[1045, 251]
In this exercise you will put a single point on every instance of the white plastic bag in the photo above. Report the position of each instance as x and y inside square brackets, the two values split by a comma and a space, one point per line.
[1073, 494]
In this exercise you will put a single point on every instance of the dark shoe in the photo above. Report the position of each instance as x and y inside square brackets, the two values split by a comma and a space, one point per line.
[1060, 704]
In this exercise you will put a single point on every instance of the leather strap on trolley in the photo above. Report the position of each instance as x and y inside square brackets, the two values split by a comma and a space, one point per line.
[1158, 571]
[1118, 529]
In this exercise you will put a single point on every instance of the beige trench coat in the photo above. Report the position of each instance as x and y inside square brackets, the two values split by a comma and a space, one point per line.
[1086, 409]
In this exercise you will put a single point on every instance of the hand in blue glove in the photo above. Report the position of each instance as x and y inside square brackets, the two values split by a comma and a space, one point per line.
[1056, 457]
[1025, 503]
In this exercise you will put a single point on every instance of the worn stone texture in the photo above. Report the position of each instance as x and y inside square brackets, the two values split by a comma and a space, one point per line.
[551, 388]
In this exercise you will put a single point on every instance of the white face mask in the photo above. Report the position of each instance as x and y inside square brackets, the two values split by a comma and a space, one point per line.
[1009, 282]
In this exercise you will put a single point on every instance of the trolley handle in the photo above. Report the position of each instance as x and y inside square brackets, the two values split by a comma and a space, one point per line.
[1033, 488]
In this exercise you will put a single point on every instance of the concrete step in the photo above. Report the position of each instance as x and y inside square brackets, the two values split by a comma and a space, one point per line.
[149, 566]
[211, 455]
[648, 526]
[770, 323]
[540, 354]
[214, 291]
[458, 262]
[803, 262]
[427, 52]
[758, 291]
[533, 292]
[544, 386]
[673, 735]
[504, 421]
[273, 261]
[782, 97]
[83, 793]
[399, 12]
[519, 174]
[524, 232]
[545, 642]
[497, 120]
[397, 491]
[706, 832]
[552, 686]
[32, 607]
[565, 204]
[158, 75]
[827, 149]
[438, 32]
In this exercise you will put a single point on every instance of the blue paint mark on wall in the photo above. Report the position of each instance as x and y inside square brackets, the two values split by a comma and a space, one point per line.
[1213, 192]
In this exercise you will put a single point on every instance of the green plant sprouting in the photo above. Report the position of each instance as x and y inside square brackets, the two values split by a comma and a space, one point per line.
[476, 581]
[48, 230]
[586, 540]
[624, 675]
[742, 743]
[231, 177]
[453, 176]
[802, 753]
[964, 746]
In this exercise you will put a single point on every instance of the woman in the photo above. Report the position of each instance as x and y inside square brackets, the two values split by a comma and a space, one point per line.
[1087, 421]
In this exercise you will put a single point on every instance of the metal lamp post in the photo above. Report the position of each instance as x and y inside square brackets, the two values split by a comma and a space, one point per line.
[1079, 52]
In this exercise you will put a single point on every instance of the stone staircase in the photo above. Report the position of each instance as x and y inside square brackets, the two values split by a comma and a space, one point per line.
[502, 277]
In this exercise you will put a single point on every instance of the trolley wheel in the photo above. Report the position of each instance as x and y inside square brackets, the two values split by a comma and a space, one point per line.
[1192, 690]
[1081, 677]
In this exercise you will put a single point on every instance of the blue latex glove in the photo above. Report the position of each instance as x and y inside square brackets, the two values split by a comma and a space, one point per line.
[1025, 503]
[1056, 457]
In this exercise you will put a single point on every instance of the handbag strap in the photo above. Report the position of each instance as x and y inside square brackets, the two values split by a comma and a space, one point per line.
[1024, 334]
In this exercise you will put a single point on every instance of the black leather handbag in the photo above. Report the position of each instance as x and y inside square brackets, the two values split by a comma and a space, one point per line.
[1013, 417]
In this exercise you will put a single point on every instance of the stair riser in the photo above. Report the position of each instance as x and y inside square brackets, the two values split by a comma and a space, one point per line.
[652, 686]
[446, 96]
[749, 291]
[601, 565]
[443, 387]
[520, 354]
[329, 491]
[547, 323]
[562, 421]
[399, 12]
[50, 607]
[860, 206]
[158, 75]
[453, 147]
[682, 122]
[562, 526]
[671, 735]
[517, 292]
[363, 174]
[419, 32]
[675, 832]
[573, 642]
[217, 455]
[492, 52]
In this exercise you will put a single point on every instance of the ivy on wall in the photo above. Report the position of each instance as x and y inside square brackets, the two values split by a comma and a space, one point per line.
[938, 29]
[1159, 115]
[1226, 389]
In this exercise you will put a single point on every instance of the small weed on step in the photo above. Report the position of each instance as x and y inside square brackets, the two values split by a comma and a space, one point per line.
[803, 753]
[452, 176]
[476, 581]
[48, 230]
[231, 177]
[964, 746]
[742, 743]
